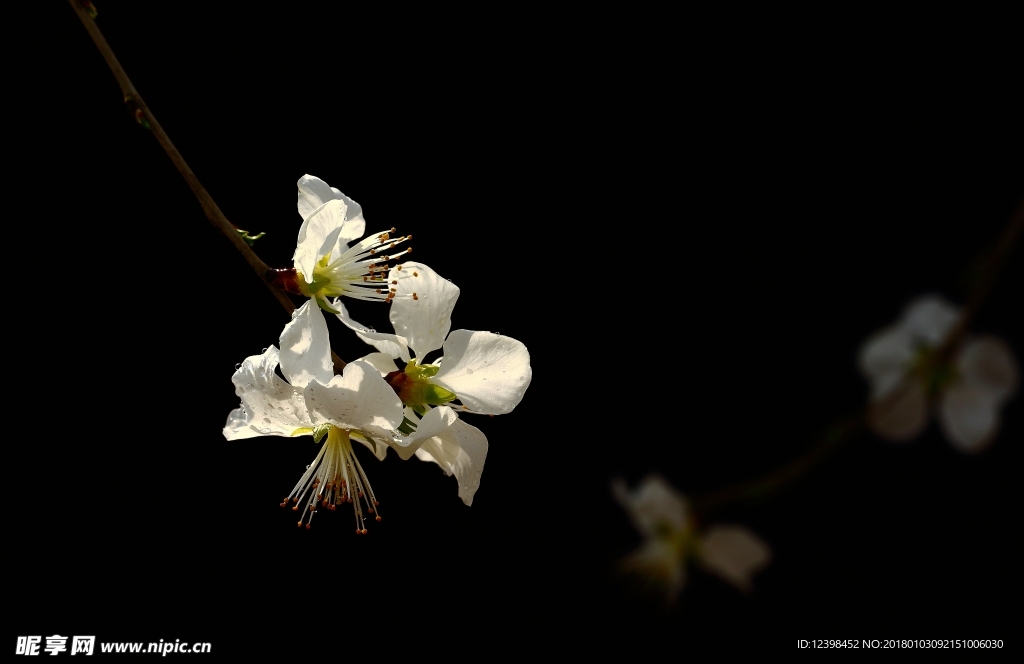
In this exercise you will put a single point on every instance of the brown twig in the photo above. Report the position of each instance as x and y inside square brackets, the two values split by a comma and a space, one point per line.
[137, 105]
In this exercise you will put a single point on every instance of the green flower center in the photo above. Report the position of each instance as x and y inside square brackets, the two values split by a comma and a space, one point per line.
[935, 377]
[414, 388]
[682, 540]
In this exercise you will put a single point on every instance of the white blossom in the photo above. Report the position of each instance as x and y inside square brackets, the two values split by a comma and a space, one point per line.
[479, 372]
[662, 516]
[325, 265]
[905, 385]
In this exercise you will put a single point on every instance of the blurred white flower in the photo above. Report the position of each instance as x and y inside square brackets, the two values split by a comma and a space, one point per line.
[661, 514]
[967, 392]
[486, 372]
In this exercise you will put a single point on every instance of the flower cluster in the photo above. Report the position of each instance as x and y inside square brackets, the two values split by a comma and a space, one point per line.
[412, 409]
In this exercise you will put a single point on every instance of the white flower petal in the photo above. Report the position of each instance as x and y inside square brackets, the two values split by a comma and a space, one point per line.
[969, 415]
[469, 465]
[357, 399]
[489, 372]
[901, 414]
[884, 358]
[653, 503]
[238, 426]
[314, 192]
[317, 236]
[424, 455]
[988, 364]
[382, 362]
[392, 344]
[929, 318]
[424, 320]
[379, 448]
[734, 554]
[461, 451]
[434, 423]
[306, 347]
[272, 406]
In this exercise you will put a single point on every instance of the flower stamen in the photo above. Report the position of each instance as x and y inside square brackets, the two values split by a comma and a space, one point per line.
[358, 271]
[334, 478]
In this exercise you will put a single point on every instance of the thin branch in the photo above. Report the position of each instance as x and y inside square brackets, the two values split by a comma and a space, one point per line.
[145, 117]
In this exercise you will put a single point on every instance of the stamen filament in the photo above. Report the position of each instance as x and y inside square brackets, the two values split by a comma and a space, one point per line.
[331, 480]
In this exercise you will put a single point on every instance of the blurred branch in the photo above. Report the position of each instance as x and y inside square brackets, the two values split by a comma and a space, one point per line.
[137, 105]
[981, 291]
[840, 432]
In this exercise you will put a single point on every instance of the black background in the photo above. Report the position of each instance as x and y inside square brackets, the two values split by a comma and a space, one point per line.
[692, 232]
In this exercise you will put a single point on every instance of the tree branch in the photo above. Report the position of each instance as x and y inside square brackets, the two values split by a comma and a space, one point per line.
[137, 105]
